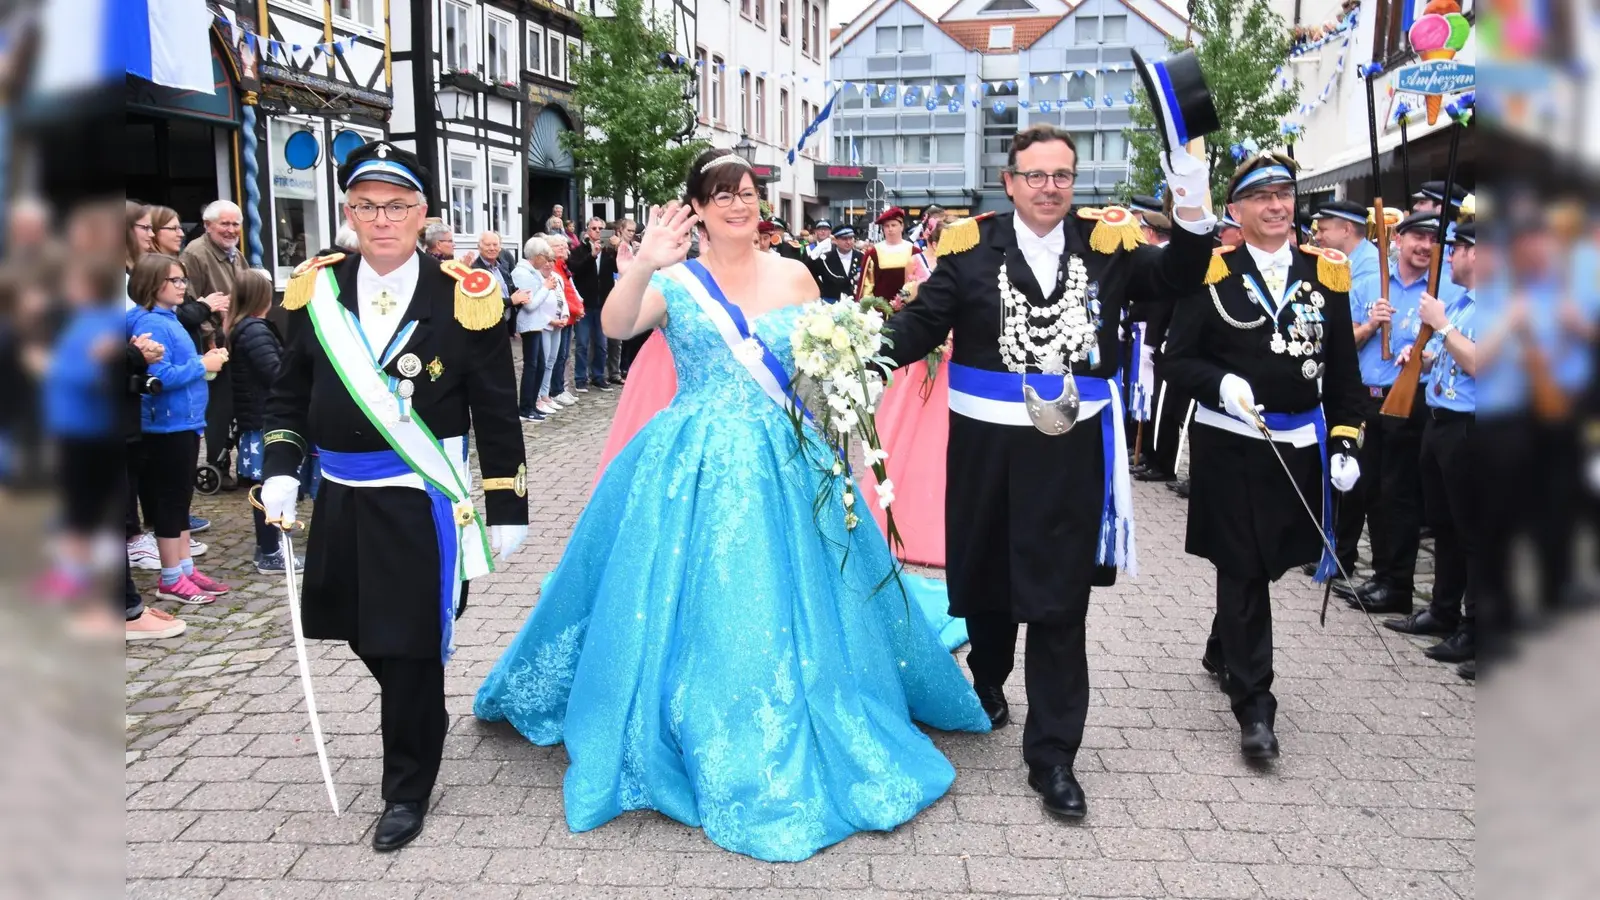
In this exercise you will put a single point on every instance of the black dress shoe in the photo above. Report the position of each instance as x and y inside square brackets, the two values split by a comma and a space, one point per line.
[1342, 588]
[1154, 475]
[1256, 741]
[1181, 488]
[1381, 599]
[994, 703]
[1215, 667]
[1309, 570]
[1420, 623]
[398, 826]
[1468, 670]
[1456, 648]
[1059, 791]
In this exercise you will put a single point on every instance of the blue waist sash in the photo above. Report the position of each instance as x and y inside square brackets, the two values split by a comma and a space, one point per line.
[382, 464]
[997, 397]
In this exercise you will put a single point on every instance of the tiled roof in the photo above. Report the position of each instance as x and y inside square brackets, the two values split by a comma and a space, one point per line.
[974, 34]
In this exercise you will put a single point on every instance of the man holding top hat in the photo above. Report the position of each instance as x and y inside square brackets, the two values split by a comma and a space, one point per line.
[1268, 352]
[391, 357]
[1042, 508]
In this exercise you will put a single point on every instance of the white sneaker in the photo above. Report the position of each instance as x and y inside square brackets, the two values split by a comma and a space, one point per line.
[142, 553]
[547, 406]
[196, 548]
[567, 398]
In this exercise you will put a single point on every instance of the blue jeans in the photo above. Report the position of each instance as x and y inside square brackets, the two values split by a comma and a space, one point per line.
[532, 370]
[591, 350]
[558, 377]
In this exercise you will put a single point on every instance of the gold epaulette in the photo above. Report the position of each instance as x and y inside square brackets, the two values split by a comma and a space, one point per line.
[297, 293]
[960, 235]
[1218, 269]
[1333, 267]
[1115, 228]
[479, 305]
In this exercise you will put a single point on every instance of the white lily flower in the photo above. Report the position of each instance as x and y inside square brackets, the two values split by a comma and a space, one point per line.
[849, 499]
[885, 493]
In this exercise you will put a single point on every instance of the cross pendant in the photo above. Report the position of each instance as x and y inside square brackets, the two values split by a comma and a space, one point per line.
[384, 303]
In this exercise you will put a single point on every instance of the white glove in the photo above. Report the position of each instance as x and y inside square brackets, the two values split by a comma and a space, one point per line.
[1188, 178]
[1237, 398]
[507, 539]
[1343, 471]
[279, 494]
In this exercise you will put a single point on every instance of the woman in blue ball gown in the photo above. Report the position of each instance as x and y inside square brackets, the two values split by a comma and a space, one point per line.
[706, 648]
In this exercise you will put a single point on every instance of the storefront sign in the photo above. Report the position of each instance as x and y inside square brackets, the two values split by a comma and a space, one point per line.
[846, 173]
[272, 72]
[1435, 77]
[764, 172]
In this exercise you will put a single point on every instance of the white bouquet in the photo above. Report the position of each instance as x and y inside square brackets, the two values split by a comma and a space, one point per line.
[839, 376]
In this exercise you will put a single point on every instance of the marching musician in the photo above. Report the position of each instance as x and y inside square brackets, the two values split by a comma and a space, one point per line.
[1271, 328]
[391, 357]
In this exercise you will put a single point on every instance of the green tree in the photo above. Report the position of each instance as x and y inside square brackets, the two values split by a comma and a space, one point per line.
[1240, 45]
[633, 124]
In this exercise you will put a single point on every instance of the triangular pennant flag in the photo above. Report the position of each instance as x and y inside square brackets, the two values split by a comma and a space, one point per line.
[1044, 106]
[1024, 104]
[931, 104]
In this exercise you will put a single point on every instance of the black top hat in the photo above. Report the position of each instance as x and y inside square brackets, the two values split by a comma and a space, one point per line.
[1179, 97]
[383, 161]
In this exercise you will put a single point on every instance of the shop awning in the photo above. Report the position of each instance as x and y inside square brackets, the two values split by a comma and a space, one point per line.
[1356, 162]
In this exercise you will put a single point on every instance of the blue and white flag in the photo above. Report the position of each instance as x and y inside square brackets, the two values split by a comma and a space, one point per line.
[165, 41]
[815, 124]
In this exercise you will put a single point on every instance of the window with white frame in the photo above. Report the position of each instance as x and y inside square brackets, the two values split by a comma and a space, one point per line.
[745, 8]
[950, 149]
[761, 13]
[535, 60]
[783, 20]
[816, 31]
[1114, 29]
[366, 13]
[464, 195]
[500, 194]
[1088, 30]
[887, 39]
[918, 150]
[298, 228]
[805, 120]
[1115, 146]
[574, 52]
[717, 69]
[500, 49]
[744, 102]
[783, 117]
[805, 29]
[911, 38]
[761, 107]
[554, 55]
[457, 37]
[702, 76]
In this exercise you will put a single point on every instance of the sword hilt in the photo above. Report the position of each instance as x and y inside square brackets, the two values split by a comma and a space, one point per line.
[254, 496]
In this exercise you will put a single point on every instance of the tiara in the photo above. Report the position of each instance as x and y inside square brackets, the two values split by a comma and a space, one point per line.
[734, 158]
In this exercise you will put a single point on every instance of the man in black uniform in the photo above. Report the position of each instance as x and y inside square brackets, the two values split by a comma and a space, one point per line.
[1272, 327]
[391, 356]
[1042, 291]
[839, 268]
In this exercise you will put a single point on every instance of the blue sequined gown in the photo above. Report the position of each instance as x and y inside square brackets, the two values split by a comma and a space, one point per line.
[699, 650]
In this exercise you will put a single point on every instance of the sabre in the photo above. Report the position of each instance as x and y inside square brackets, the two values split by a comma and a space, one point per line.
[286, 546]
[1261, 424]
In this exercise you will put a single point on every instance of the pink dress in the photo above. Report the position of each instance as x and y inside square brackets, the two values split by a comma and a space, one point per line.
[915, 432]
[652, 383]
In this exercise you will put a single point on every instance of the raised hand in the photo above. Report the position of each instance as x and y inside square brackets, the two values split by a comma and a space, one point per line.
[666, 240]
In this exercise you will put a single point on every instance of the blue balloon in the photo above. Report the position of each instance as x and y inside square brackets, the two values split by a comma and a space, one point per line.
[344, 143]
[302, 150]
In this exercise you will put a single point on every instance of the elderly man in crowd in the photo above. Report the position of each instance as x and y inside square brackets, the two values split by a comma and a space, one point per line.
[439, 241]
[213, 263]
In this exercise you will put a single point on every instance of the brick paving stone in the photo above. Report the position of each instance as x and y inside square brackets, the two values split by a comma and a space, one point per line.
[1374, 796]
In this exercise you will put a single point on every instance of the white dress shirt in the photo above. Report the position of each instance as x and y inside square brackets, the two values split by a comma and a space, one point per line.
[1274, 268]
[401, 284]
[1042, 253]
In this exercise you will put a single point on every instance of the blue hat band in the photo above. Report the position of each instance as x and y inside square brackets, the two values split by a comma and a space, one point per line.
[1169, 102]
[1264, 176]
[1341, 214]
[386, 166]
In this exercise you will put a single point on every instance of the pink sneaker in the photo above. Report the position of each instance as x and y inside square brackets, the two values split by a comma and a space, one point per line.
[208, 584]
[56, 586]
[184, 590]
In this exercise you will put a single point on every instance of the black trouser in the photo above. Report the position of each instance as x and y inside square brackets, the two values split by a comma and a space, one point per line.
[219, 421]
[1172, 411]
[132, 603]
[614, 360]
[1241, 637]
[630, 349]
[1388, 498]
[414, 722]
[140, 496]
[1450, 495]
[1056, 670]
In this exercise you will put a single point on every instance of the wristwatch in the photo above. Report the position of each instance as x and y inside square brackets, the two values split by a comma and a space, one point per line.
[1445, 331]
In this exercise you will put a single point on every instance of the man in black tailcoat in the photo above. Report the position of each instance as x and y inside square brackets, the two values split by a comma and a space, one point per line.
[838, 267]
[396, 352]
[1267, 341]
[1035, 517]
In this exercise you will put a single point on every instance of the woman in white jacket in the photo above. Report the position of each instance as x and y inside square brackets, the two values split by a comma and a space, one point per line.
[539, 321]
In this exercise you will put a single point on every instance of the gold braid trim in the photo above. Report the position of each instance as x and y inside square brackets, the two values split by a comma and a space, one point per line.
[479, 305]
[960, 235]
[303, 283]
[1333, 267]
[1218, 268]
[1115, 229]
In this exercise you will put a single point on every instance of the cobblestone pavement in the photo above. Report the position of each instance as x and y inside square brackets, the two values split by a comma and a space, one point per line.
[1374, 795]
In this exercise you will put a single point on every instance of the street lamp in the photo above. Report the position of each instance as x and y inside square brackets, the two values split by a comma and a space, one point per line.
[746, 148]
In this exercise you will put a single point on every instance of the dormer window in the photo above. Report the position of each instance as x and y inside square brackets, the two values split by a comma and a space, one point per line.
[1003, 6]
[1001, 37]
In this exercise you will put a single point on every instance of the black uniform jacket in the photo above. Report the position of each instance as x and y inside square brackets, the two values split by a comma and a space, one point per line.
[1022, 508]
[372, 558]
[835, 279]
[1243, 512]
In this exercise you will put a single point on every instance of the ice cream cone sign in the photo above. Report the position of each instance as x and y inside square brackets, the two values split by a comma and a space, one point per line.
[1437, 36]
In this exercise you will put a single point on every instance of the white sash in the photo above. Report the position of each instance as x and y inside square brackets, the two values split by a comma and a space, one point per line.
[339, 334]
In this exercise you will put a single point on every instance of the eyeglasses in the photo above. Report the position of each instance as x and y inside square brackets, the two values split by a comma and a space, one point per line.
[394, 212]
[1283, 195]
[1036, 179]
[173, 227]
[725, 198]
[142, 227]
[178, 281]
